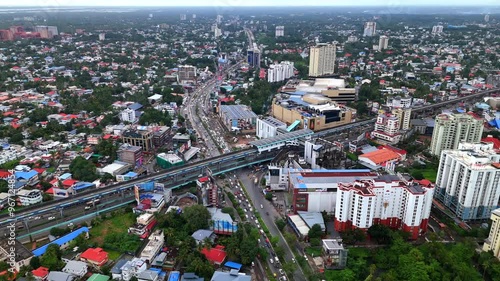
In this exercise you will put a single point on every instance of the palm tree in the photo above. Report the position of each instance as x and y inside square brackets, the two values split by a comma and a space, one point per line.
[486, 265]
[207, 243]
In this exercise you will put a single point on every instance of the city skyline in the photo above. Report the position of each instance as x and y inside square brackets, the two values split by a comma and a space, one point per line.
[241, 3]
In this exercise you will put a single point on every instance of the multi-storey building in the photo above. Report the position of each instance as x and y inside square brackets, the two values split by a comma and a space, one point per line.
[387, 128]
[492, 243]
[437, 29]
[452, 129]
[128, 115]
[280, 72]
[139, 137]
[322, 60]
[369, 28]
[399, 102]
[186, 73]
[468, 180]
[404, 116]
[253, 57]
[130, 154]
[280, 31]
[383, 43]
[388, 200]
[29, 197]
[153, 247]
[316, 190]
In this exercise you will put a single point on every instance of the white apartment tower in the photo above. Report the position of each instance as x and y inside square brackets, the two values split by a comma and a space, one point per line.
[492, 243]
[370, 28]
[468, 180]
[279, 72]
[437, 29]
[322, 60]
[128, 115]
[383, 43]
[280, 31]
[452, 129]
[387, 200]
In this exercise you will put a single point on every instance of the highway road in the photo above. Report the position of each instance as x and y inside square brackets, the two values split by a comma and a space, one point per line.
[257, 197]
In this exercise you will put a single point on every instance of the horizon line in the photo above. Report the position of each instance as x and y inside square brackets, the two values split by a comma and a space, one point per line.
[250, 6]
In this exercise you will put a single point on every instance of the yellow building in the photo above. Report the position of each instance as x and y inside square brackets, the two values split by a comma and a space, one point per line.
[493, 241]
[315, 112]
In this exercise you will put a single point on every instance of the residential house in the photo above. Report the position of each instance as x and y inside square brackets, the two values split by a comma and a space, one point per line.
[60, 276]
[76, 268]
[41, 273]
[95, 256]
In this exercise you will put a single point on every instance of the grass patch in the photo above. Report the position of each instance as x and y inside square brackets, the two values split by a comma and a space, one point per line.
[113, 255]
[119, 223]
[429, 173]
[313, 251]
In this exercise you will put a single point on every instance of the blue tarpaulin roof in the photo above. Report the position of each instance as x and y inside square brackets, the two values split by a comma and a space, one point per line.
[60, 241]
[232, 264]
[26, 175]
[174, 276]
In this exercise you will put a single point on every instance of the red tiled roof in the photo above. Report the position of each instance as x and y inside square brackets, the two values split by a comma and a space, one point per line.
[69, 182]
[215, 255]
[203, 179]
[495, 141]
[381, 156]
[40, 272]
[96, 255]
[5, 174]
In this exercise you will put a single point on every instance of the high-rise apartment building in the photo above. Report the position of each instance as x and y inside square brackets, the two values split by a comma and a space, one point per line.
[388, 200]
[280, 72]
[370, 28]
[387, 128]
[437, 29]
[486, 18]
[492, 243]
[47, 32]
[186, 73]
[468, 180]
[322, 60]
[280, 31]
[404, 116]
[452, 129]
[383, 42]
[253, 57]
[183, 16]
[102, 36]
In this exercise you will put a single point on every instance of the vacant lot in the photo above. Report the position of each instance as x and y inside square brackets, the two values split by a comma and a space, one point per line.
[119, 223]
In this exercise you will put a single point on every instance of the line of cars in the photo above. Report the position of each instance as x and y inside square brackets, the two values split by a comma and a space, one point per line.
[250, 216]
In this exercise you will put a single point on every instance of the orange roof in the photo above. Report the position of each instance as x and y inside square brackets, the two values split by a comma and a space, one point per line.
[381, 156]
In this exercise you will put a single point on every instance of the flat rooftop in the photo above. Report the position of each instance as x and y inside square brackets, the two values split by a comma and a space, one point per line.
[282, 138]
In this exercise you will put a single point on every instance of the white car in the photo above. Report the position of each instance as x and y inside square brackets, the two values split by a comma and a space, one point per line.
[51, 218]
[87, 207]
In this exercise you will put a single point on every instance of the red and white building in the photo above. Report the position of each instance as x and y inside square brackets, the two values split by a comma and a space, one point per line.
[384, 157]
[388, 200]
[316, 190]
[95, 256]
[387, 128]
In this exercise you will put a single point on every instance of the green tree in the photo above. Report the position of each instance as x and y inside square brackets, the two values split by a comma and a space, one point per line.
[315, 232]
[196, 217]
[52, 258]
[380, 233]
[280, 223]
[83, 170]
[269, 196]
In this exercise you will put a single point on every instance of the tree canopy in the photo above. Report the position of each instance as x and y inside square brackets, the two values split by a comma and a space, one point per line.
[82, 169]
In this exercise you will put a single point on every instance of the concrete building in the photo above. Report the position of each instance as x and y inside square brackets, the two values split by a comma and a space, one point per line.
[186, 73]
[102, 36]
[404, 117]
[47, 32]
[399, 102]
[130, 154]
[253, 57]
[217, 32]
[383, 43]
[280, 31]
[492, 243]
[22, 256]
[468, 180]
[155, 244]
[335, 89]
[268, 127]
[29, 197]
[452, 129]
[352, 39]
[280, 72]
[387, 129]
[316, 190]
[437, 29]
[168, 160]
[370, 28]
[334, 254]
[76, 268]
[322, 60]
[140, 136]
[128, 115]
[388, 200]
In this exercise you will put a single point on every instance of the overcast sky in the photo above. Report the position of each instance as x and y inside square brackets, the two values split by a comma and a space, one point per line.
[234, 3]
